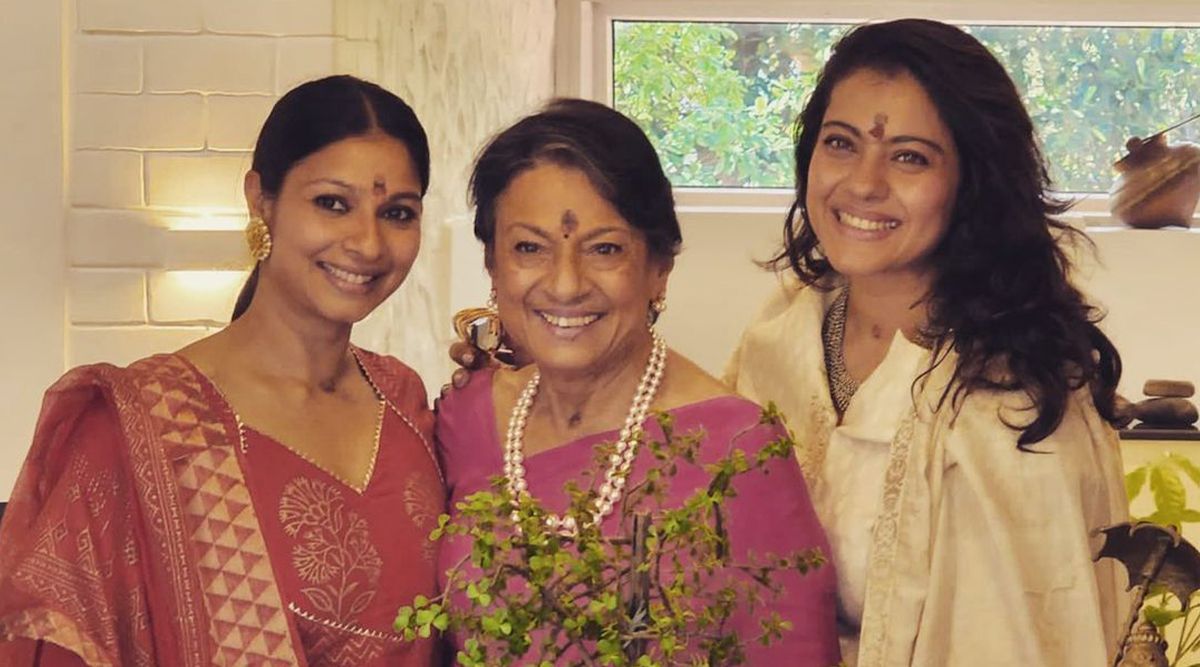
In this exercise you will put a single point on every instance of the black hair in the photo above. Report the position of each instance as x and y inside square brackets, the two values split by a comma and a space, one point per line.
[1001, 296]
[318, 113]
[609, 148]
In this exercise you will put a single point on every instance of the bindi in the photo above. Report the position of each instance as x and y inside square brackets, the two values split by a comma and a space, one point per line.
[569, 223]
[379, 186]
[880, 122]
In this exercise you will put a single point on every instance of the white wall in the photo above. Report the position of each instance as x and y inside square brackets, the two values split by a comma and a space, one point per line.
[1148, 281]
[128, 134]
[31, 187]
[128, 125]
[468, 67]
[166, 99]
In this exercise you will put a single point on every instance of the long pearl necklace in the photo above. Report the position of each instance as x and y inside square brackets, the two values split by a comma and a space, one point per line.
[619, 462]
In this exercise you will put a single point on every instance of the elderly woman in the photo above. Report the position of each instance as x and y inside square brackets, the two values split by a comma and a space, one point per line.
[949, 386]
[262, 496]
[579, 231]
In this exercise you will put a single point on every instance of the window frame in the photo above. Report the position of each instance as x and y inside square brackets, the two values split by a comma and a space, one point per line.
[584, 39]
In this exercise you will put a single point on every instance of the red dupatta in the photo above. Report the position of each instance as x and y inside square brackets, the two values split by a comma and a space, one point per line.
[130, 536]
[173, 543]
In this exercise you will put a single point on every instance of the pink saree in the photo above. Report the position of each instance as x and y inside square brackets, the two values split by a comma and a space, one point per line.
[148, 528]
[771, 513]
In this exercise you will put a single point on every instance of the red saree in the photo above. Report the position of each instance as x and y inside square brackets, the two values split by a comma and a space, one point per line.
[148, 528]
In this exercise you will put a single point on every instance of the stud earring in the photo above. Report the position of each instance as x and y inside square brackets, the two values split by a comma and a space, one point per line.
[258, 237]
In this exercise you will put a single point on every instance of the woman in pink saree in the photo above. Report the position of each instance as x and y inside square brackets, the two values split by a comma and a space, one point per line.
[263, 496]
[579, 232]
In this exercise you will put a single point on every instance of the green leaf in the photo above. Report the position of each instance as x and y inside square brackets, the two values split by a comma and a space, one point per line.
[1159, 616]
[1187, 466]
[1169, 495]
[1134, 481]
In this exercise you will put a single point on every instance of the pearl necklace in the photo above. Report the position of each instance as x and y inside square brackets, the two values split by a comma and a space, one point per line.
[619, 462]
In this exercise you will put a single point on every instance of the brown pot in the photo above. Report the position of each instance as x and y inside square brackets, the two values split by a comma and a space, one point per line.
[1157, 184]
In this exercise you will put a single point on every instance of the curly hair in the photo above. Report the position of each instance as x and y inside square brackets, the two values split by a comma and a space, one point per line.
[1001, 296]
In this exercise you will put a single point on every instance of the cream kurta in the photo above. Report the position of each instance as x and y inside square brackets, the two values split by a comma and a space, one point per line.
[979, 553]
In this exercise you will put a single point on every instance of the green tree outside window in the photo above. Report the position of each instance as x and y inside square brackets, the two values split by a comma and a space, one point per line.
[719, 99]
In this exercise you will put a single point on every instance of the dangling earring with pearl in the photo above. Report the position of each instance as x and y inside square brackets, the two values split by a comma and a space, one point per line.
[657, 307]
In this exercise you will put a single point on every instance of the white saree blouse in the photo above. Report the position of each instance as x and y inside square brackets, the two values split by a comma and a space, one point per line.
[953, 547]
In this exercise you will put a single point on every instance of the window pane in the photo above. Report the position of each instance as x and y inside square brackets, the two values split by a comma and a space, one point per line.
[719, 99]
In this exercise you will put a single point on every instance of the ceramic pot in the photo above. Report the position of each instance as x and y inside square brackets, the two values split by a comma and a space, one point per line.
[1157, 184]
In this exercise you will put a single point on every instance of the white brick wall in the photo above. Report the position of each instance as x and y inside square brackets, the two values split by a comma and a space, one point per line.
[98, 296]
[199, 180]
[269, 17]
[233, 120]
[112, 238]
[193, 297]
[143, 122]
[122, 345]
[166, 100]
[302, 59]
[107, 65]
[132, 16]
[210, 64]
[110, 179]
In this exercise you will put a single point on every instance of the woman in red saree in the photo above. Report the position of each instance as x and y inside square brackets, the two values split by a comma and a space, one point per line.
[262, 496]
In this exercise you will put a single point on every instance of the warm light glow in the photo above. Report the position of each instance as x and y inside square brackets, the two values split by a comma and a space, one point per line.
[205, 282]
[205, 222]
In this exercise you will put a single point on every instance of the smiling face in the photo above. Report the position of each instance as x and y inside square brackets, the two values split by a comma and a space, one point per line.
[883, 177]
[573, 279]
[345, 228]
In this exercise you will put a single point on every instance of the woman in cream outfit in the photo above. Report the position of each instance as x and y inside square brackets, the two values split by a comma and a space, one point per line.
[949, 387]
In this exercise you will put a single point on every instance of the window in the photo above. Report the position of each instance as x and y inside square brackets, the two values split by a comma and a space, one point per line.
[719, 98]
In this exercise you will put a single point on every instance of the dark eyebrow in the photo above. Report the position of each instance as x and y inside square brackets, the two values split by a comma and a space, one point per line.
[845, 126]
[604, 230]
[408, 194]
[907, 138]
[899, 139]
[533, 229]
[331, 181]
[403, 196]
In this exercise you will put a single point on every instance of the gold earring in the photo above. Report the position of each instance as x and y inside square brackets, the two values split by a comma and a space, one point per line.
[258, 237]
[657, 307]
[480, 327]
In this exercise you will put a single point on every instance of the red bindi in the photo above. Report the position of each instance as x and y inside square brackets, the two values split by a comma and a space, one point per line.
[569, 223]
[880, 121]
